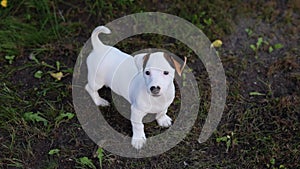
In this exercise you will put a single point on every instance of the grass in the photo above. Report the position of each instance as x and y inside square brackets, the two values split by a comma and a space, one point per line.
[40, 41]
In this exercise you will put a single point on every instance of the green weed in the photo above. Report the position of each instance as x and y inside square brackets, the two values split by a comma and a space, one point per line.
[256, 94]
[38, 74]
[100, 156]
[10, 59]
[54, 151]
[256, 47]
[249, 32]
[28, 24]
[260, 42]
[55, 71]
[35, 117]
[63, 117]
[272, 163]
[275, 47]
[85, 162]
[229, 140]
[14, 163]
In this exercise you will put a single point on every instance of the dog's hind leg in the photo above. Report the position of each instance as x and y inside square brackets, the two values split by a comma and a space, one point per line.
[93, 91]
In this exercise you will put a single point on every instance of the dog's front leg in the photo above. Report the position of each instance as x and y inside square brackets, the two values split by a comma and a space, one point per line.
[163, 119]
[138, 138]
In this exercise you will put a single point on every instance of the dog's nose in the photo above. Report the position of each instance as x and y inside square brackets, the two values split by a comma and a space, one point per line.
[155, 89]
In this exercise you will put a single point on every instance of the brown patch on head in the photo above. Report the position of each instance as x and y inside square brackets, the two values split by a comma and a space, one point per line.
[168, 58]
[175, 64]
[145, 58]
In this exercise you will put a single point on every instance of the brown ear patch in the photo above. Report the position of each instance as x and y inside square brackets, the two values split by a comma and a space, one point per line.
[145, 60]
[175, 64]
[170, 61]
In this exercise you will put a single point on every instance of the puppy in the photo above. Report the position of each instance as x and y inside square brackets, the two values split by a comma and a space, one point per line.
[145, 81]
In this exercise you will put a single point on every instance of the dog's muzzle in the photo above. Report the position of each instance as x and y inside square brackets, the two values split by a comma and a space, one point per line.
[155, 90]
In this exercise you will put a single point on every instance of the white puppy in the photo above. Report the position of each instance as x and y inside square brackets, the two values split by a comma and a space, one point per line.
[145, 81]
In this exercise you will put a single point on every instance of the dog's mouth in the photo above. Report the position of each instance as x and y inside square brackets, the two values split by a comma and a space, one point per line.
[155, 95]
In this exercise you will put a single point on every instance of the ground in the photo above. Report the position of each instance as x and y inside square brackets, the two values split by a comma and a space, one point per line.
[260, 127]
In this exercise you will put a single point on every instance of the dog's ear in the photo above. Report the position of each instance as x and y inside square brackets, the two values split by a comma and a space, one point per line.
[141, 60]
[175, 64]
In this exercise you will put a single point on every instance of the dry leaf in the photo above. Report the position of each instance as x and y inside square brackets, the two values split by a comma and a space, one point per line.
[217, 43]
[4, 3]
[57, 75]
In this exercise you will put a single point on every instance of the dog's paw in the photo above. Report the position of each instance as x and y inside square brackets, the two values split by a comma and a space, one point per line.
[101, 102]
[96, 98]
[164, 121]
[138, 143]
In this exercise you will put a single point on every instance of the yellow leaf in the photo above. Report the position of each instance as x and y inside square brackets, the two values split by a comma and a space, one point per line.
[4, 3]
[57, 75]
[217, 43]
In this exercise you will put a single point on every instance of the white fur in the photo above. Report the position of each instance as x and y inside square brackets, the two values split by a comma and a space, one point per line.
[125, 75]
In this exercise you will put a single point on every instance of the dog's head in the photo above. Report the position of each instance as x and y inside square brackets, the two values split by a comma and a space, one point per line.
[158, 70]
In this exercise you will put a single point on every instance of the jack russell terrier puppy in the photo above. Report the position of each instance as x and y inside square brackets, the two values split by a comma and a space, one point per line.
[145, 81]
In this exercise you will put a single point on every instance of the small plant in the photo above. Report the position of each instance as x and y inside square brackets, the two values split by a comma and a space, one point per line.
[276, 46]
[10, 59]
[282, 166]
[272, 163]
[259, 43]
[35, 117]
[256, 47]
[249, 31]
[85, 162]
[63, 117]
[256, 94]
[201, 20]
[32, 57]
[55, 71]
[54, 152]
[208, 21]
[38, 74]
[100, 156]
[228, 140]
[225, 139]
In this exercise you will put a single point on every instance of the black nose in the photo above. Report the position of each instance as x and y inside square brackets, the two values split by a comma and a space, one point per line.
[155, 89]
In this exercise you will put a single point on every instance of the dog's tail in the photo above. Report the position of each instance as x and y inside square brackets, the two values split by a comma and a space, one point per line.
[95, 39]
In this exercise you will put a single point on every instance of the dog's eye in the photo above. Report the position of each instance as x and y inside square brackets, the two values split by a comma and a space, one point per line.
[166, 72]
[147, 72]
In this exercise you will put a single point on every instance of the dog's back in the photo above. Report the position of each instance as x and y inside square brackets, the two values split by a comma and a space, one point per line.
[110, 66]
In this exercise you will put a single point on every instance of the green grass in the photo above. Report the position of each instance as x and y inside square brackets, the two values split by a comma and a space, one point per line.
[30, 114]
[30, 24]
